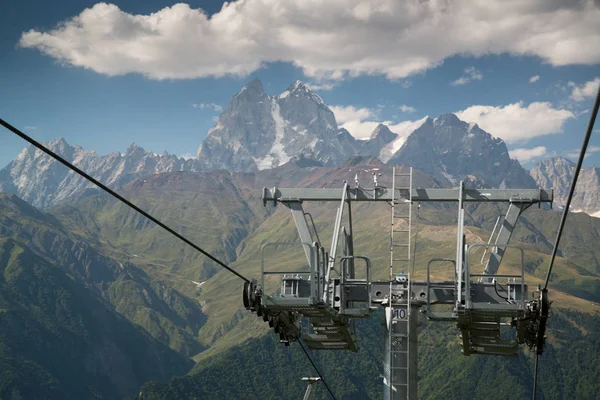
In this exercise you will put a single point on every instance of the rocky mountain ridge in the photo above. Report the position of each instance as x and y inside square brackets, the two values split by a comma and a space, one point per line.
[44, 182]
[451, 150]
[557, 173]
[258, 132]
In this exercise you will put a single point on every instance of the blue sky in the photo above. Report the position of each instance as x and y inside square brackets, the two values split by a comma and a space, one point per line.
[120, 74]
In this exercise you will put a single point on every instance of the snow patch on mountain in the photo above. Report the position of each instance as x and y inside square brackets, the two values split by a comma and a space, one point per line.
[403, 130]
[277, 155]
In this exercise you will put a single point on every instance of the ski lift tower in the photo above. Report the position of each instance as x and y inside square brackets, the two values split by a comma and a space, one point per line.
[331, 296]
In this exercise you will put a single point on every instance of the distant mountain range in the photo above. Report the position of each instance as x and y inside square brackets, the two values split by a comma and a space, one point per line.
[557, 173]
[257, 131]
[44, 183]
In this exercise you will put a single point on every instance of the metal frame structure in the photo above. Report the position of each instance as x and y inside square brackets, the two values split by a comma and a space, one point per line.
[331, 298]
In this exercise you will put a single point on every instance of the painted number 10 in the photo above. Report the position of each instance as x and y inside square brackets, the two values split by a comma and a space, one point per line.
[400, 313]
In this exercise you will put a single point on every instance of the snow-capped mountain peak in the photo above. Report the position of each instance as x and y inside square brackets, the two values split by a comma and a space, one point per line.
[299, 89]
[258, 131]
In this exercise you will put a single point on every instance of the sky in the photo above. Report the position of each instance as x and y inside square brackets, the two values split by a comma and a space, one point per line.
[158, 73]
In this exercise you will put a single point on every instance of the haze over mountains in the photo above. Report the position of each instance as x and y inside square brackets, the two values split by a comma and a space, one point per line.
[257, 131]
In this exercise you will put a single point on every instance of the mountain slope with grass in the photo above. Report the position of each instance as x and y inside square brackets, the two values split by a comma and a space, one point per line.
[174, 295]
[60, 341]
[150, 303]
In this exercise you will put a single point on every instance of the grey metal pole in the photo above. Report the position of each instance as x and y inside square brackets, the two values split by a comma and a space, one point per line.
[399, 354]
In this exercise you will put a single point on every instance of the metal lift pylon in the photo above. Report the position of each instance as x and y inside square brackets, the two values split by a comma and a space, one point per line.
[400, 366]
[330, 295]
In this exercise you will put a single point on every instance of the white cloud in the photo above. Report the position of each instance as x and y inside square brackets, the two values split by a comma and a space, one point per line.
[534, 78]
[361, 122]
[526, 155]
[387, 37]
[344, 114]
[362, 129]
[582, 92]
[574, 154]
[208, 106]
[321, 86]
[582, 112]
[354, 120]
[405, 128]
[215, 119]
[515, 122]
[471, 74]
[407, 109]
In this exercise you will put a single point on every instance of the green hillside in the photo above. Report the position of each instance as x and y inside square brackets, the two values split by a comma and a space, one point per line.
[264, 369]
[58, 341]
[162, 311]
[184, 301]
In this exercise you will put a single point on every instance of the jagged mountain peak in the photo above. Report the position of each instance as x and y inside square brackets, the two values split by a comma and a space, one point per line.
[451, 149]
[60, 141]
[263, 132]
[61, 146]
[299, 89]
[383, 133]
[473, 127]
[448, 118]
[134, 148]
[299, 85]
[559, 160]
[344, 135]
[255, 85]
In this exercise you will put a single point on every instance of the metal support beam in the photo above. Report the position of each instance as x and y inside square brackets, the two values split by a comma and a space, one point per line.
[506, 230]
[334, 243]
[531, 196]
[302, 227]
[459, 247]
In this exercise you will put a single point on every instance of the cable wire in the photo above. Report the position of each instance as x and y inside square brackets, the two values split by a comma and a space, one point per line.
[563, 219]
[316, 369]
[584, 146]
[117, 196]
[537, 357]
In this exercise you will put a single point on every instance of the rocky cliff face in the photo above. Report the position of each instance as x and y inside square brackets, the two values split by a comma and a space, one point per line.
[557, 173]
[257, 131]
[43, 182]
[451, 150]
